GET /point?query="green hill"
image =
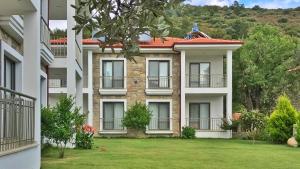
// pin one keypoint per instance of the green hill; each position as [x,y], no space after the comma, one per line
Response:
[232,22]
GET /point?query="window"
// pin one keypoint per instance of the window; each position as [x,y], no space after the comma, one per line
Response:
[113,113]
[159,74]
[160,119]
[199,75]
[9,74]
[113,74]
[199,117]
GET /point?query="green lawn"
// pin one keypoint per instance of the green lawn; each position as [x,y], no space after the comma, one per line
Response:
[175,153]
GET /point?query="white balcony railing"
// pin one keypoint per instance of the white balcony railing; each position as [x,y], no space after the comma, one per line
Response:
[45,33]
[57,83]
[59,45]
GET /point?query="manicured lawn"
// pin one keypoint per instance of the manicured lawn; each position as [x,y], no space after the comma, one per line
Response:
[176,153]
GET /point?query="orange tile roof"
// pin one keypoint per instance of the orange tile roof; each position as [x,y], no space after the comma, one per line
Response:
[158,43]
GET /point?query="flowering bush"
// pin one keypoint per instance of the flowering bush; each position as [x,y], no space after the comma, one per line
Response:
[84,138]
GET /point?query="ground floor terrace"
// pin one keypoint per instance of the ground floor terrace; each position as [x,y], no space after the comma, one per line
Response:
[204,112]
[175,153]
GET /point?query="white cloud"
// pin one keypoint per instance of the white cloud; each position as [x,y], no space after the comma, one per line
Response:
[274,4]
[210,2]
[58,24]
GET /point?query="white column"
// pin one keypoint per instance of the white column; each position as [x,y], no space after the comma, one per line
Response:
[31,73]
[79,94]
[44,91]
[90,88]
[182,90]
[71,75]
[229,85]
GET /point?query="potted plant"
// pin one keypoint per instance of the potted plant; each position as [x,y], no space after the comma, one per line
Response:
[137,117]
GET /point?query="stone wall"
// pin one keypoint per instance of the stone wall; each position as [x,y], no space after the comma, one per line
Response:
[136,83]
[11,42]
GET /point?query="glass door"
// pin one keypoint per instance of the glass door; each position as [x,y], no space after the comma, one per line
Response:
[199,75]
[199,116]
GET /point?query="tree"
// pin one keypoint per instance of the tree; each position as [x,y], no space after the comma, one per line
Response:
[122,21]
[61,122]
[281,122]
[237,7]
[137,117]
[261,68]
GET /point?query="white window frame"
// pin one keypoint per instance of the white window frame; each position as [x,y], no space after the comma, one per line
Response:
[159,91]
[12,54]
[102,131]
[170,131]
[123,91]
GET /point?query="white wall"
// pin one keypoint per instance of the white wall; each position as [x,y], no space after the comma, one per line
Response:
[213,57]
[22,160]
[85,72]
[53,98]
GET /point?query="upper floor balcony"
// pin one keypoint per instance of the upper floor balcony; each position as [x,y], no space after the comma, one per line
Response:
[205,72]
[59,47]
[46,51]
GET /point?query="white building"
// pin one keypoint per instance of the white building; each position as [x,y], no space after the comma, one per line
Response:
[25,57]
[189,79]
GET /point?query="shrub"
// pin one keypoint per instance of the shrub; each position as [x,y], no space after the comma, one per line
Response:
[188,132]
[60,123]
[230,126]
[137,117]
[252,120]
[84,138]
[253,124]
[298,133]
[282,20]
[280,124]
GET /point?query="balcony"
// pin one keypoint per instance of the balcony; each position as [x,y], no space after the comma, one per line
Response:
[46,52]
[17,118]
[59,45]
[159,85]
[113,85]
[206,124]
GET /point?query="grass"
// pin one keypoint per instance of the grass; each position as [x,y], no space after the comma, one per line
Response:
[175,153]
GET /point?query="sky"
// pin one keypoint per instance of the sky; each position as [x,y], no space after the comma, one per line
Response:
[270,4]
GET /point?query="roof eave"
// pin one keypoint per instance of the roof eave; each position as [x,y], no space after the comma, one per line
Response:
[207,46]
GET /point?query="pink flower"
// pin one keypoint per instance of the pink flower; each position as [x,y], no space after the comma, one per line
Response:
[88,129]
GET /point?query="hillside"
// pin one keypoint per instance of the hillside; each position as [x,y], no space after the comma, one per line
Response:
[232,22]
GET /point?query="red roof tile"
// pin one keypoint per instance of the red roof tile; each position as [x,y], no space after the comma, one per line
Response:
[158,43]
